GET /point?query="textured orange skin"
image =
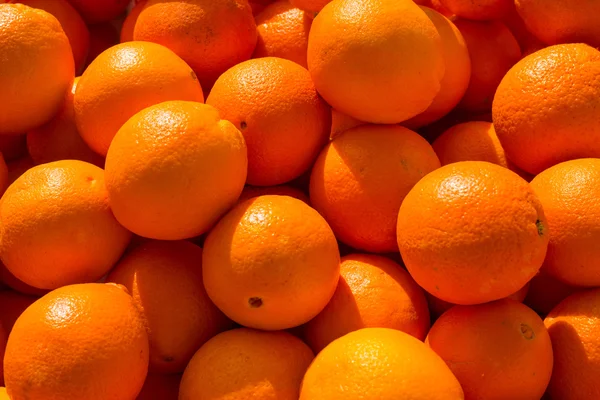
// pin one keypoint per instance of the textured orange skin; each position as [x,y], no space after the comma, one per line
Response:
[310,6]
[94,11]
[59,139]
[165,280]
[36,69]
[281,190]
[385,363]
[493,51]
[469,232]
[360,179]
[160,387]
[211,36]
[568,192]
[373,292]
[574,327]
[126,79]
[490,350]
[130,21]
[546,109]
[84,341]
[102,36]
[481,10]
[562,21]
[545,292]
[246,364]
[341,122]
[57,226]
[283,32]
[14,283]
[276,249]
[13,147]
[165,160]
[457,76]
[285,123]
[363,58]
[12,305]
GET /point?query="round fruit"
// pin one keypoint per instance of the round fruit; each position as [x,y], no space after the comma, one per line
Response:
[126,79]
[130,21]
[472,232]
[83,341]
[386,363]
[14,283]
[94,11]
[13,147]
[378,61]
[36,67]
[341,122]
[503,341]
[547,108]
[3,339]
[3,394]
[247,364]
[57,226]
[271,263]
[3,175]
[163,277]
[546,291]
[360,179]
[165,160]
[482,10]
[285,123]
[160,386]
[281,190]
[12,305]
[102,37]
[311,6]
[373,292]
[574,327]
[213,37]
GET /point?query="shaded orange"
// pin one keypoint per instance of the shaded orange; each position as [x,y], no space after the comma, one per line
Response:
[545,292]
[94,11]
[281,190]
[160,387]
[310,6]
[18,167]
[12,305]
[13,147]
[341,122]
[130,21]
[102,36]
[481,10]
[14,283]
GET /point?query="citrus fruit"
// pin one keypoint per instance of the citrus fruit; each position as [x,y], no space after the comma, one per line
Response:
[482,10]
[3,394]
[285,129]
[341,122]
[165,160]
[130,21]
[90,343]
[472,232]
[14,283]
[362,176]
[13,147]
[281,190]
[13,304]
[160,386]
[57,226]
[546,291]
[3,339]
[94,11]
[271,263]
[311,6]
[102,37]
[247,364]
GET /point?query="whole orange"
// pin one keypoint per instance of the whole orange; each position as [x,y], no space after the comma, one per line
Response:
[360,179]
[574,327]
[90,343]
[211,36]
[472,232]
[247,364]
[173,169]
[13,147]
[160,387]
[271,263]
[373,292]
[3,339]
[281,190]
[285,123]
[528,41]
[13,304]
[283,32]
[493,51]
[59,139]
[547,107]
[482,10]
[383,363]
[36,67]
[130,21]
[57,226]
[18,167]
[497,351]
[546,291]
[375,60]
[163,277]
[3,175]
[341,122]
[14,283]
[310,6]
[126,79]
[94,11]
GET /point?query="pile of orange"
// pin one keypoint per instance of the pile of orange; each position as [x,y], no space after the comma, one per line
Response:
[299,200]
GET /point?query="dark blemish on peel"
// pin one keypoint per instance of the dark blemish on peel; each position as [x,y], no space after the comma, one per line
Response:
[243,125]
[255,302]
[540,227]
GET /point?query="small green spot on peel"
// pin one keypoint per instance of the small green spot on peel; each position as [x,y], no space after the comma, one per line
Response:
[540,227]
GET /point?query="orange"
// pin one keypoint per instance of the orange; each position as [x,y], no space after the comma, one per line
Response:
[18,167]
[481,10]
[258,5]
[497,351]
[281,190]
[285,123]
[361,178]
[283,32]
[3,339]
[545,292]
[271,263]
[212,37]
[568,193]
[341,122]
[12,305]
[163,277]
[385,364]
[310,6]
[57,226]
[373,292]
[90,343]
[493,51]
[437,6]
[13,147]
[247,364]
[558,87]
[527,40]
[375,60]
[126,79]
[160,387]
[562,21]
[94,11]
[472,232]
[165,160]
[3,394]
[36,68]
[13,282]
[59,139]
[102,36]
[457,75]
[3,175]
[130,21]
[574,327]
